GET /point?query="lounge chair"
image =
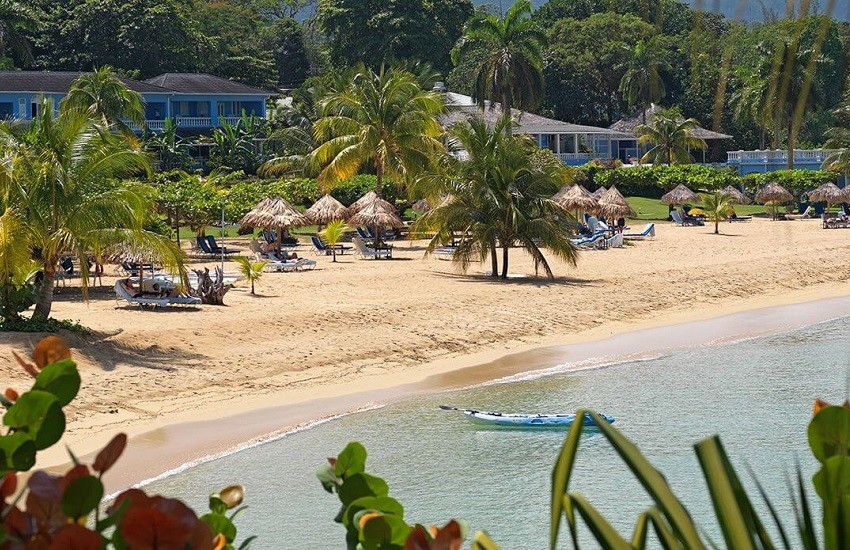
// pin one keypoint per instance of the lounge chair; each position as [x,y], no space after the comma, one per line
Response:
[594,241]
[362,250]
[321,248]
[444,253]
[217,250]
[286,264]
[807,213]
[125,292]
[363,234]
[647,233]
[614,241]
[677,218]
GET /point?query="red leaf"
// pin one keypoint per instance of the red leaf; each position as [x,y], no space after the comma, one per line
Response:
[448,538]
[202,538]
[8,486]
[75,537]
[11,395]
[145,528]
[18,524]
[78,471]
[51,349]
[418,539]
[112,452]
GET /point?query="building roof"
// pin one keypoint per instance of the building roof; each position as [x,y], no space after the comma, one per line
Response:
[462,107]
[59,82]
[629,125]
[202,83]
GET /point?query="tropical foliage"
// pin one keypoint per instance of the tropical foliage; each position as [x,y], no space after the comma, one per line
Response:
[717,207]
[69,510]
[333,234]
[102,95]
[670,139]
[642,84]
[251,270]
[497,195]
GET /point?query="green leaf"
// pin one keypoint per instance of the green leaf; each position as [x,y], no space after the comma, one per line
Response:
[17,453]
[803,515]
[654,483]
[81,496]
[829,433]
[327,477]
[362,485]
[217,506]
[640,531]
[603,531]
[662,528]
[352,460]
[220,525]
[561,477]
[386,505]
[483,542]
[247,542]
[781,528]
[39,414]
[384,532]
[61,379]
[114,517]
[832,483]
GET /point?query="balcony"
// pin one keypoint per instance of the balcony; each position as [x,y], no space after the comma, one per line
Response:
[194,122]
[231,120]
[769,156]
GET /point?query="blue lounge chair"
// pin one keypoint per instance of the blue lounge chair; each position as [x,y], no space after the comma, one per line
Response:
[217,249]
[366,236]
[322,248]
[647,233]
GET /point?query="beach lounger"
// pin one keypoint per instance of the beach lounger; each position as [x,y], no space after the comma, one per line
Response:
[320,247]
[614,241]
[677,218]
[277,263]
[444,253]
[363,234]
[123,292]
[362,250]
[807,213]
[596,241]
[647,233]
[217,249]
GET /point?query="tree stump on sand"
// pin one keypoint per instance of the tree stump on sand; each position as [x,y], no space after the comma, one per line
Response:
[210,291]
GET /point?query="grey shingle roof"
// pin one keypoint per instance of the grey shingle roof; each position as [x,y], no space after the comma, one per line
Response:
[59,82]
[629,125]
[202,83]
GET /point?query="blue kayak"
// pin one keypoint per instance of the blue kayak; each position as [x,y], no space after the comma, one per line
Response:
[522,420]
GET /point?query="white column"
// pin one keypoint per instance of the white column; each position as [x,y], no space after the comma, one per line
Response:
[575,143]
[558,144]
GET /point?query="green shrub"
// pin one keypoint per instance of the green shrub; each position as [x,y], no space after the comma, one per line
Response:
[39,324]
[796,182]
[654,181]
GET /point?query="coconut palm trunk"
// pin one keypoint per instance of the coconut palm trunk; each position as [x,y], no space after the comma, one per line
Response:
[45,293]
[494,261]
[505,249]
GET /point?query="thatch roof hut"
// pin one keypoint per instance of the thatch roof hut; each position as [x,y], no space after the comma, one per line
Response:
[367,199]
[599,192]
[575,198]
[773,194]
[828,193]
[614,205]
[376,214]
[679,195]
[274,213]
[422,205]
[736,195]
[326,210]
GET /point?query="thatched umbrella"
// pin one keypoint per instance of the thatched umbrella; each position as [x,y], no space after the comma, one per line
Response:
[575,198]
[773,193]
[828,193]
[679,195]
[614,205]
[367,199]
[735,195]
[276,213]
[376,214]
[599,192]
[421,205]
[326,210]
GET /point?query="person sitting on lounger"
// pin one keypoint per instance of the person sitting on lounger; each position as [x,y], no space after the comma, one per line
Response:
[272,247]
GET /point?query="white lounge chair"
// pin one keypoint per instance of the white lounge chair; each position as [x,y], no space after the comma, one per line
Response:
[121,292]
[297,264]
[445,253]
[614,241]
[595,241]
[362,250]
[647,233]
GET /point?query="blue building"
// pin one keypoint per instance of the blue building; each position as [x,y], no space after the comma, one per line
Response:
[196,102]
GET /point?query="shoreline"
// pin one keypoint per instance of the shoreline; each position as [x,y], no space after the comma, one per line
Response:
[186,439]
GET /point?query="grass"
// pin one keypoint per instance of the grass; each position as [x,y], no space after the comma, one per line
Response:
[653,210]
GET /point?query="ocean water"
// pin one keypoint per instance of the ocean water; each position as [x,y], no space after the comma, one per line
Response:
[757,394]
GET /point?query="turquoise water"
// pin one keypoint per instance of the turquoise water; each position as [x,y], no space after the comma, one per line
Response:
[757,394]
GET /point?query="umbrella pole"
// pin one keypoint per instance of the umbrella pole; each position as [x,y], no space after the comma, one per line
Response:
[222,240]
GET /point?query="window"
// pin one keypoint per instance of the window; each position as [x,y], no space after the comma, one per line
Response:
[222,109]
[22,107]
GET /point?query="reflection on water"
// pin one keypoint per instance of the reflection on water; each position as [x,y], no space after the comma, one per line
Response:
[756,394]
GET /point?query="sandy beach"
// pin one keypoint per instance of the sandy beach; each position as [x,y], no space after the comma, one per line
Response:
[361,325]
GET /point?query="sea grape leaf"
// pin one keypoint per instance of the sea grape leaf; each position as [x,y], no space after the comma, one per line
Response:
[352,460]
[61,379]
[81,496]
[382,532]
[327,478]
[829,433]
[832,483]
[220,524]
[217,506]
[362,485]
[76,536]
[17,453]
[107,457]
[386,505]
[39,414]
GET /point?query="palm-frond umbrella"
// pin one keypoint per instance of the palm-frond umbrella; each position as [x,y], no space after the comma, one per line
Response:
[735,195]
[367,199]
[773,193]
[376,214]
[326,210]
[276,213]
[614,205]
[575,198]
[679,195]
[421,205]
[828,193]
[599,192]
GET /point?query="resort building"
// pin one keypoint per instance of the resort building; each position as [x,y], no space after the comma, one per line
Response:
[575,144]
[758,161]
[196,102]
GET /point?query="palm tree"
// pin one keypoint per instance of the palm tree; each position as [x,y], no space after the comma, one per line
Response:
[671,139]
[641,84]
[172,150]
[252,271]
[717,207]
[102,94]
[16,18]
[333,233]
[381,119]
[748,101]
[839,159]
[63,184]
[499,194]
[512,70]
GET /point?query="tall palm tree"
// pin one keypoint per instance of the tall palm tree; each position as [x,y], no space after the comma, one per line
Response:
[497,195]
[63,185]
[671,139]
[717,207]
[790,73]
[839,159]
[512,70]
[102,94]
[16,18]
[381,119]
[749,101]
[641,84]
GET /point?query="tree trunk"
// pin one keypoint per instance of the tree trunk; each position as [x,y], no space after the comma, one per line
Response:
[379,176]
[177,223]
[494,262]
[791,146]
[762,136]
[506,111]
[716,225]
[333,250]
[504,261]
[209,291]
[45,294]
[252,287]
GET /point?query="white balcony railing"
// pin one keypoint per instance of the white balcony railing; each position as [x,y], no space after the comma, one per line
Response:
[232,120]
[579,156]
[777,156]
[193,122]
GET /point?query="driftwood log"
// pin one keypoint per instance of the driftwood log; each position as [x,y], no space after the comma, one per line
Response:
[210,291]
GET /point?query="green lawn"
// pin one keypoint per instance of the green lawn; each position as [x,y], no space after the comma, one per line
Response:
[653,210]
